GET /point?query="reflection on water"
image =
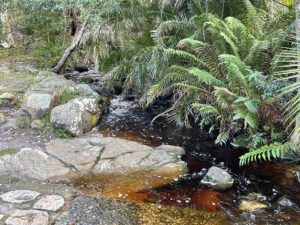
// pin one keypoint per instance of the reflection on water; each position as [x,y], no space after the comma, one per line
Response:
[126,121]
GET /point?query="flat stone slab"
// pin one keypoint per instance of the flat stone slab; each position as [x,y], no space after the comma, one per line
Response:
[81,153]
[28,217]
[29,163]
[50,203]
[19,196]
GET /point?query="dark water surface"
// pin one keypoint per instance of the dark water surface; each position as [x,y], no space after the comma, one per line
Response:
[270,180]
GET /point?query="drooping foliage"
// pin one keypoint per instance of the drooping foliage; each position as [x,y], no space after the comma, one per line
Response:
[216,60]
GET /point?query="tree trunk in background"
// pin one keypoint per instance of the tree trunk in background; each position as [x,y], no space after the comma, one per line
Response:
[69,50]
[295,137]
[271,8]
[6,29]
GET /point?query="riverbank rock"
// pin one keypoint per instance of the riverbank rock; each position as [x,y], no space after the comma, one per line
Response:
[77,116]
[218,179]
[117,159]
[28,217]
[34,164]
[50,203]
[250,206]
[44,94]
[19,196]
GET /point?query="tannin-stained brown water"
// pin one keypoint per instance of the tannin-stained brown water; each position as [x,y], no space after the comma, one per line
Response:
[271,180]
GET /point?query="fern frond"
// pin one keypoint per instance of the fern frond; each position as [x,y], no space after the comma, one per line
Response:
[275,150]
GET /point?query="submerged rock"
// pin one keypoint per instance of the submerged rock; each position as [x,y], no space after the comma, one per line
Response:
[77,116]
[285,202]
[250,206]
[218,179]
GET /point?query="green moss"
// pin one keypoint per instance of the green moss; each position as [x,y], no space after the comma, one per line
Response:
[24,123]
[61,133]
[87,80]
[67,96]
[7,151]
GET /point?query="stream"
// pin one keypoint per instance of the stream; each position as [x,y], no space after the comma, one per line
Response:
[266,181]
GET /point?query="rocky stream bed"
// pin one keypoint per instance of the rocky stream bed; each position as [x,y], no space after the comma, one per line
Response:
[117,169]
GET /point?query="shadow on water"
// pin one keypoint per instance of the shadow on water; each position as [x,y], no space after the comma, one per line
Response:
[271,180]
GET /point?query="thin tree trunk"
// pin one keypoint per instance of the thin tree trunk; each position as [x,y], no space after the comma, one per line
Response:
[271,15]
[296,136]
[6,29]
[69,50]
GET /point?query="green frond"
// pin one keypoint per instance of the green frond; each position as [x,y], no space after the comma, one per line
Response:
[267,152]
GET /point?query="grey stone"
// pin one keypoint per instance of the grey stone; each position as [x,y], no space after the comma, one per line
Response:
[38,103]
[50,81]
[37,124]
[50,203]
[19,196]
[77,116]
[2,119]
[86,91]
[21,114]
[29,163]
[218,179]
[285,202]
[28,217]
[122,156]
[45,93]
[77,152]
[171,148]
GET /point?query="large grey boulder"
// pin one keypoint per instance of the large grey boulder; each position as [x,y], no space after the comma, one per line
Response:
[34,164]
[120,160]
[218,179]
[51,81]
[121,156]
[80,153]
[38,103]
[45,93]
[77,116]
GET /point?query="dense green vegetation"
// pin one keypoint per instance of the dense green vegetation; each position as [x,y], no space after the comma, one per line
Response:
[228,66]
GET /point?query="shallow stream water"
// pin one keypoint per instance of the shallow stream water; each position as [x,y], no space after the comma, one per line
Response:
[271,181]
